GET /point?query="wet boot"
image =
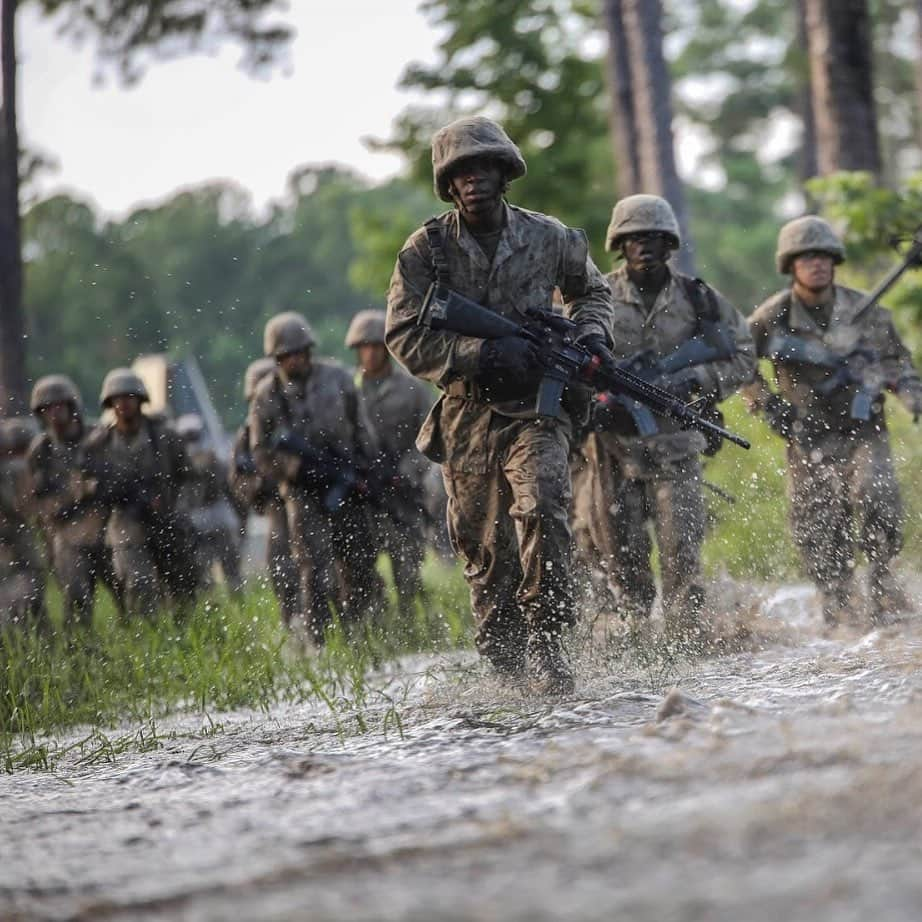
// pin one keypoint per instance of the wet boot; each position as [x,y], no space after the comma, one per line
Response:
[837,604]
[548,670]
[886,596]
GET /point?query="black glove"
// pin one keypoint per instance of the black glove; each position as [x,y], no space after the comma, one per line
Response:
[606,363]
[507,359]
[610,415]
[682,384]
[780,415]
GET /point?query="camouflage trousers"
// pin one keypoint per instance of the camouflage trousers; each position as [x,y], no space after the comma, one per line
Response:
[403,540]
[283,572]
[136,573]
[510,527]
[335,558]
[616,512]
[22,585]
[842,502]
[78,568]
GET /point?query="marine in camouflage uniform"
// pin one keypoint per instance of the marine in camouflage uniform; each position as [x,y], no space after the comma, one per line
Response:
[22,576]
[505,470]
[206,498]
[71,515]
[842,486]
[396,406]
[260,494]
[137,464]
[309,433]
[628,480]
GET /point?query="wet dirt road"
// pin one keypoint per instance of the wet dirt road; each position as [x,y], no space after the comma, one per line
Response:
[780,784]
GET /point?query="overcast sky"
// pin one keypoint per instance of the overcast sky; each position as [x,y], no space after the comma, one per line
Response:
[200,117]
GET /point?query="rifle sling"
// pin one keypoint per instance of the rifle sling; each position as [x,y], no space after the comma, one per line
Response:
[435,234]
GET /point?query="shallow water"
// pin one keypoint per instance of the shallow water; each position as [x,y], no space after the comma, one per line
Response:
[784,783]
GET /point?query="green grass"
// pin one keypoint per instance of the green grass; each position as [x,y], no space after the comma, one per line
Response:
[224,654]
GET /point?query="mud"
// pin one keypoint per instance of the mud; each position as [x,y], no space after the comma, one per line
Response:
[784,782]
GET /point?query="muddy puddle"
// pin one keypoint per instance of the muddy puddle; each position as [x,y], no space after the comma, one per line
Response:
[784,783]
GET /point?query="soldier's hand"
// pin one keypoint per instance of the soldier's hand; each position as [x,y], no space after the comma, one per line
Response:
[610,415]
[605,362]
[682,384]
[780,415]
[508,357]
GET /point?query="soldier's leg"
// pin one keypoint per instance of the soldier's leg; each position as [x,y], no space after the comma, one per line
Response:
[405,546]
[875,498]
[283,572]
[482,535]
[821,528]
[363,590]
[313,554]
[137,575]
[536,467]
[75,571]
[679,522]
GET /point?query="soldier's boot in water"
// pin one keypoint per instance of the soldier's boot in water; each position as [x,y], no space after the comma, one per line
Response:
[504,647]
[685,624]
[549,672]
[837,603]
[886,595]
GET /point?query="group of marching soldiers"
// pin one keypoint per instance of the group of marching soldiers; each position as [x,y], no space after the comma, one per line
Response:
[339,462]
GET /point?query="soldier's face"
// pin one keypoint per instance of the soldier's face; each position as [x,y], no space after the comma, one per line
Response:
[295,365]
[372,357]
[126,407]
[477,185]
[814,270]
[58,416]
[646,252]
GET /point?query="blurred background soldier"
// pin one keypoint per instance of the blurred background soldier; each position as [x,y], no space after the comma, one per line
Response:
[833,362]
[505,469]
[396,405]
[683,335]
[72,517]
[22,577]
[260,494]
[204,496]
[308,432]
[138,464]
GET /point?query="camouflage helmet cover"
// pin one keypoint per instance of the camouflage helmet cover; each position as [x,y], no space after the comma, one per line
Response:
[286,333]
[366,327]
[122,382]
[474,136]
[16,432]
[255,372]
[54,389]
[639,214]
[803,235]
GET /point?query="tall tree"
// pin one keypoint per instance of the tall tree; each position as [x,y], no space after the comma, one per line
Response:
[125,32]
[623,120]
[840,46]
[638,32]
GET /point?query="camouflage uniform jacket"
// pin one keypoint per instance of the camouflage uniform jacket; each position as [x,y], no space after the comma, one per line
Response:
[17,544]
[671,322]
[536,256]
[397,406]
[827,418]
[148,465]
[324,409]
[63,493]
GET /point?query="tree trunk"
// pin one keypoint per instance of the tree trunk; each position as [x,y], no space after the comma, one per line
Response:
[643,29]
[12,324]
[839,42]
[623,122]
[919,67]
[806,162]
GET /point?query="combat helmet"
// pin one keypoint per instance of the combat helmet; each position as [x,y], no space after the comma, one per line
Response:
[286,333]
[803,235]
[16,432]
[366,327]
[474,136]
[255,372]
[122,382]
[54,389]
[639,214]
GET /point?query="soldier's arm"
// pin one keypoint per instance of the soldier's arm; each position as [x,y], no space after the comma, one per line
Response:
[899,372]
[364,443]
[724,376]
[757,393]
[261,425]
[586,295]
[438,357]
[48,497]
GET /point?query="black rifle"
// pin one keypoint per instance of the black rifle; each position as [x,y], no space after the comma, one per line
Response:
[563,359]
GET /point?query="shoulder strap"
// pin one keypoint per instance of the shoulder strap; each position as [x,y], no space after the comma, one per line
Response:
[702,298]
[435,234]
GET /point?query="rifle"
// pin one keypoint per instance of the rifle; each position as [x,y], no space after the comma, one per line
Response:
[323,470]
[564,360]
[849,370]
